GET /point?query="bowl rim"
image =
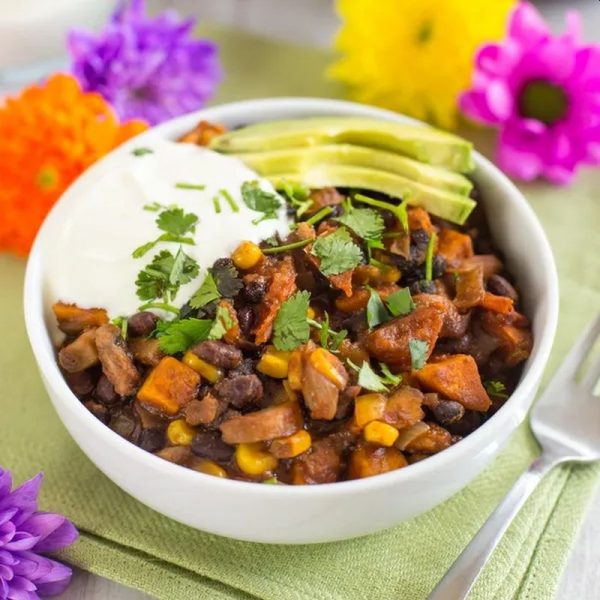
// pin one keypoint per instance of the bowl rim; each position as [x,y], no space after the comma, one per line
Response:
[39,336]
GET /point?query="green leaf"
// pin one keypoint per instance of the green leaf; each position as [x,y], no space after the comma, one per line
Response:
[184,269]
[337,252]
[177,222]
[179,335]
[165,237]
[418,353]
[298,196]
[376,310]
[495,388]
[206,293]
[121,323]
[260,200]
[369,380]
[366,223]
[221,325]
[226,279]
[400,303]
[291,328]
[388,376]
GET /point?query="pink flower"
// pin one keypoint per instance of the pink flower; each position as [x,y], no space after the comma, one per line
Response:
[543,93]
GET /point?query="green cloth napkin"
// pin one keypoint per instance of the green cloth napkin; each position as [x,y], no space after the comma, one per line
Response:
[125,541]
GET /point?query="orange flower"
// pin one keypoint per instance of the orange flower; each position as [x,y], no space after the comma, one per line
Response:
[50,134]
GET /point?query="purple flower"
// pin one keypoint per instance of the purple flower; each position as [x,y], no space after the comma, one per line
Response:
[543,93]
[24,533]
[149,68]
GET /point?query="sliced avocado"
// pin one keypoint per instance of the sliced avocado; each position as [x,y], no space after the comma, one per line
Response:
[299,159]
[420,142]
[447,205]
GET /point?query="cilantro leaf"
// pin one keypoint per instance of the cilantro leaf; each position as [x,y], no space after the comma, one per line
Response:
[260,200]
[495,388]
[177,222]
[226,279]
[221,325]
[184,269]
[179,335]
[337,252]
[291,328]
[366,223]
[418,353]
[206,293]
[330,339]
[388,376]
[376,310]
[165,237]
[400,303]
[370,380]
[298,196]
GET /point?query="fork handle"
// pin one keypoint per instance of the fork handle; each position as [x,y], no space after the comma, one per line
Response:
[458,581]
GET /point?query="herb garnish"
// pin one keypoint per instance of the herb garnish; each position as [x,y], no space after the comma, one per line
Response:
[226,279]
[121,323]
[206,293]
[229,199]
[495,388]
[298,196]
[217,204]
[260,200]
[366,223]
[320,215]
[337,251]
[399,210]
[179,335]
[429,257]
[370,380]
[182,185]
[286,247]
[330,339]
[222,323]
[376,311]
[400,303]
[418,353]
[141,151]
[291,328]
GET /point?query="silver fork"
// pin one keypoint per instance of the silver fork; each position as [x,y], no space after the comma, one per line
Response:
[566,422]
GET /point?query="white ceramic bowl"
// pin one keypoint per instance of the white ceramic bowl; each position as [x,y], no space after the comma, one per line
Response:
[305,514]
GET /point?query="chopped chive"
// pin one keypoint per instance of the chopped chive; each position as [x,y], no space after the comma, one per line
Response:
[429,257]
[217,205]
[189,186]
[141,151]
[286,247]
[154,207]
[229,198]
[392,234]
[159,305]
[327,210]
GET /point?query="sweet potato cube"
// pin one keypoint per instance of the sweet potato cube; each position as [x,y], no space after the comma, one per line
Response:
[454,247]
[73,320]
[456,378]
[433,440]
[469,289]
[170,386]
[403,407]
[367,460]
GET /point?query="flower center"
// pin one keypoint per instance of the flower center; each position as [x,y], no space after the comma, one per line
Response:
[425,32]
[47,178]
[543,101]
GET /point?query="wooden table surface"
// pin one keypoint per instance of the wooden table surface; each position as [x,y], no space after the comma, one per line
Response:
[314,22]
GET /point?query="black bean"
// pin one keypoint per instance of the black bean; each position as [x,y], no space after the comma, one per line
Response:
[141,324]
[255,290]
[246,367]
[500,286]
[469,423]
[100,412]
[82,382]
[222,263]
[419,239]
[125,424]
[438,266]
[105,392]
[218,353]
[241,390]
[422,287]
[209,444]
[246,319]
[152,440]
[447,412]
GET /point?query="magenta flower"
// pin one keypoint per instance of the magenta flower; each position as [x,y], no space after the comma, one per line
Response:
[148,68]
[25,533]
[543,93]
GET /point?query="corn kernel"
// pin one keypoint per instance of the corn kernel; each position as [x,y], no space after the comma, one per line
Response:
[253,460]
[311,313]
[295,370]
[179,433]
[292,445]
[321,360]
[369,407]
[205,369]
[380,433]
[274,363]
[246,255]
[210,468]
[390,275]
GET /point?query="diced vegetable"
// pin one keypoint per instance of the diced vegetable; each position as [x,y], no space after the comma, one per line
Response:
[179,433]
[321,464]
[455,247]
[456,378]
[274,363]
[403,407]
[292,445]
[169,386]
[369,407]
[116,361]
[432,441]
[253,460]
[73,320]
[469,289]
[367,460]
[380,433]
[79,354]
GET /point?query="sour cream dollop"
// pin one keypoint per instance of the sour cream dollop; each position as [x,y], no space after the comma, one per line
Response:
[90,260]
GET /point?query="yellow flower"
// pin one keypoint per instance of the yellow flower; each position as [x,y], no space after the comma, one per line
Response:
[414,56]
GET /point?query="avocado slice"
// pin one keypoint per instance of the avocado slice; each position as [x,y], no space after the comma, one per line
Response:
[422,143]
[299,159]
[442,203]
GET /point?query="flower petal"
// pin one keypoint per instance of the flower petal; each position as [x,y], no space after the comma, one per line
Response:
[54,531]
[24,497]
[516,159]
[5,482]
[56,580]
[526,25]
